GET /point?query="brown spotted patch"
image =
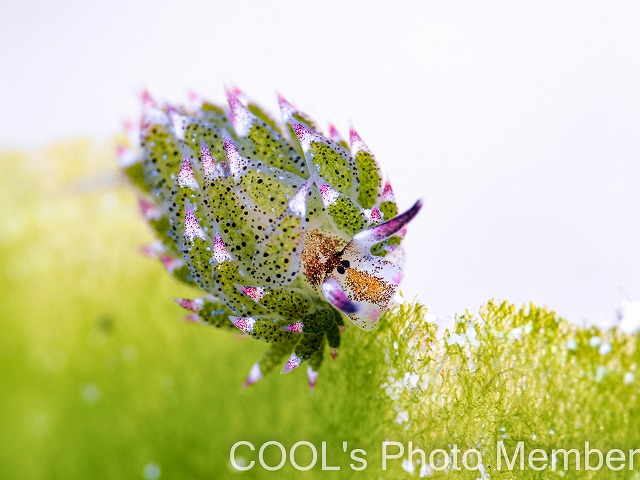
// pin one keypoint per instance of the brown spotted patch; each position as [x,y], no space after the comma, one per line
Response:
[319,255]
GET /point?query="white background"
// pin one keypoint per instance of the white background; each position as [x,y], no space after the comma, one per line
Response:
[518,123]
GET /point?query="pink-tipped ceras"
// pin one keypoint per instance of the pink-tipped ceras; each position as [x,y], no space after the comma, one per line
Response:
[287,232]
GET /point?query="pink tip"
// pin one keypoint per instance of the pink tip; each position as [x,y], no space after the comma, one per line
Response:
[186,177]
[300,130]
[220,252]
[192,228]
[387,193]
[295,327]
[353,136]
[129,126]
[193,318]
[244,100]
[328,194]
[234,101]
[305,134]
[178,122]
[152,251]
[149,210]
[145,123]
[376,215]
[208,163]
[254,375]
[194,305]
[334,353]
[151,113]
[170,263]
[293,363]
[237,163]
[241,118]
[245,324]
[147,100]
[254,293]
[230,148]
[356,142]
[193,97]
[333,133]
[286,108]
[312,375]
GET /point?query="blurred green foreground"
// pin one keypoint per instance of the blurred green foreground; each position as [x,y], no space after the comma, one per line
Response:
[99,375]
[100,378]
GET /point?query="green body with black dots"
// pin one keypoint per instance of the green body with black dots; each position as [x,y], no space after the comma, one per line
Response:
[287,232]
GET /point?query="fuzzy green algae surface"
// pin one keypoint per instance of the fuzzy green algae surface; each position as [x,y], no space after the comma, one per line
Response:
[100,378]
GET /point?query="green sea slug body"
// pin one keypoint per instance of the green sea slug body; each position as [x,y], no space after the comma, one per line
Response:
[286,231]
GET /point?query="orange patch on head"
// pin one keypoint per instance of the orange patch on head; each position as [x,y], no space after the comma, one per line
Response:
[368,288]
